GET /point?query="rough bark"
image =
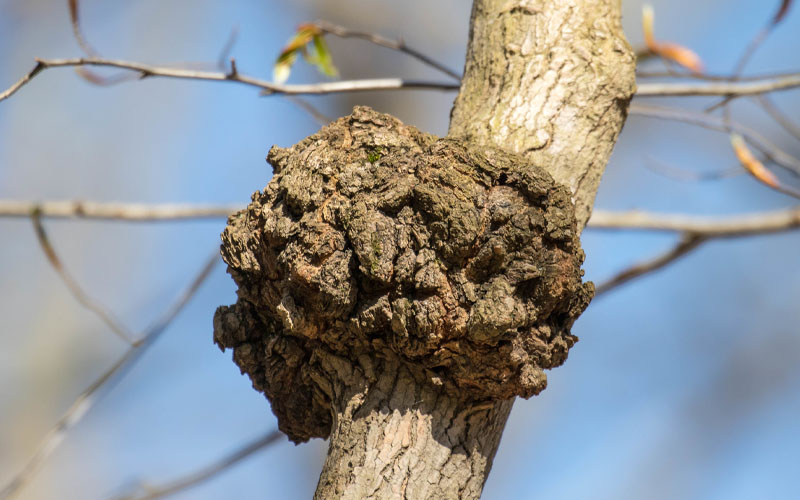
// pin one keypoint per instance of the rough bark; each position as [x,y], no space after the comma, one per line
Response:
[549,79]
[396,291]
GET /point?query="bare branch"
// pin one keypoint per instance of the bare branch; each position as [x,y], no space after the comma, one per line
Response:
[225,54]
[682,174]
[399,45]
[318,116]
[687,243]
[113,211]
[776,114]
[768,148]
[724,88]
[710,227]
[73,286]
[721,88]
[267,87]
[104,383]
[207,472]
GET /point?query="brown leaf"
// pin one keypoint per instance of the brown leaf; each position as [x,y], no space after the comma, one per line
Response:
[668,50]
[752,164]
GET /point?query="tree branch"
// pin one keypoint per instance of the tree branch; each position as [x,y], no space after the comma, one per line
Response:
[80,295]
[399,45]
[712,227]
[267,87]
[694,232]
[727,226]
[208,472]
[724,88]
[729,88]
[113,211]
[686,244]
[105,382]
[767,147]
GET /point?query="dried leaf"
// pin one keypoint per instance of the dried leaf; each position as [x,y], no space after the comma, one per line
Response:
[668,50]
[751,163]
[681,55]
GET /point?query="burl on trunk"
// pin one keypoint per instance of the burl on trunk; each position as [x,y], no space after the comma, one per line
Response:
[395,293]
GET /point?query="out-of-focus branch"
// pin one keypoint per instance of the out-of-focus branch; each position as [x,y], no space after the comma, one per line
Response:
[727,226]
[113,211]
[719,88]
[399,45]
[686,244]
[730,226]
[776,114]
[767,147]
[104,383]
[207,472]
[80,295]
[695,231]
[266,87]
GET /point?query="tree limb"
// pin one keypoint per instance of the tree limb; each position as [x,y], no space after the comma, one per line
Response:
[103,384]
[712,227]
[686,244]
[267,87]
[209,471]
[80,295]
[398,45]
[722,88]
[113,211]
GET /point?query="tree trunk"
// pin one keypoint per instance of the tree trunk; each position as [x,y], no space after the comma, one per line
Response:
[400,437]
[396,292]
[550,79]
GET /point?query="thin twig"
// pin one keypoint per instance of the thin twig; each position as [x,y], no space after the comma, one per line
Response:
[738,88]
[778,115]
[113,211]
[225,53]
[683,174]
[80,295]
[735,225]
[772,151]
[208,472]
[686,244]
[318,116]
[729,88]
[77,31]
[399,45]
[267,87]
[711,227]
[104,383]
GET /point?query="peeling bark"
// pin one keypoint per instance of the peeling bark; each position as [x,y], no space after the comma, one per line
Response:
[397,291]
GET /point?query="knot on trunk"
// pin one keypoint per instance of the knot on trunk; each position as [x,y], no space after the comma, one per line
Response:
[374,240]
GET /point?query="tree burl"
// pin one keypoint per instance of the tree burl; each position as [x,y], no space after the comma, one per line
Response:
[376,243]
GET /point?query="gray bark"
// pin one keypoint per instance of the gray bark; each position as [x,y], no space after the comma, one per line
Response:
[396,292]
